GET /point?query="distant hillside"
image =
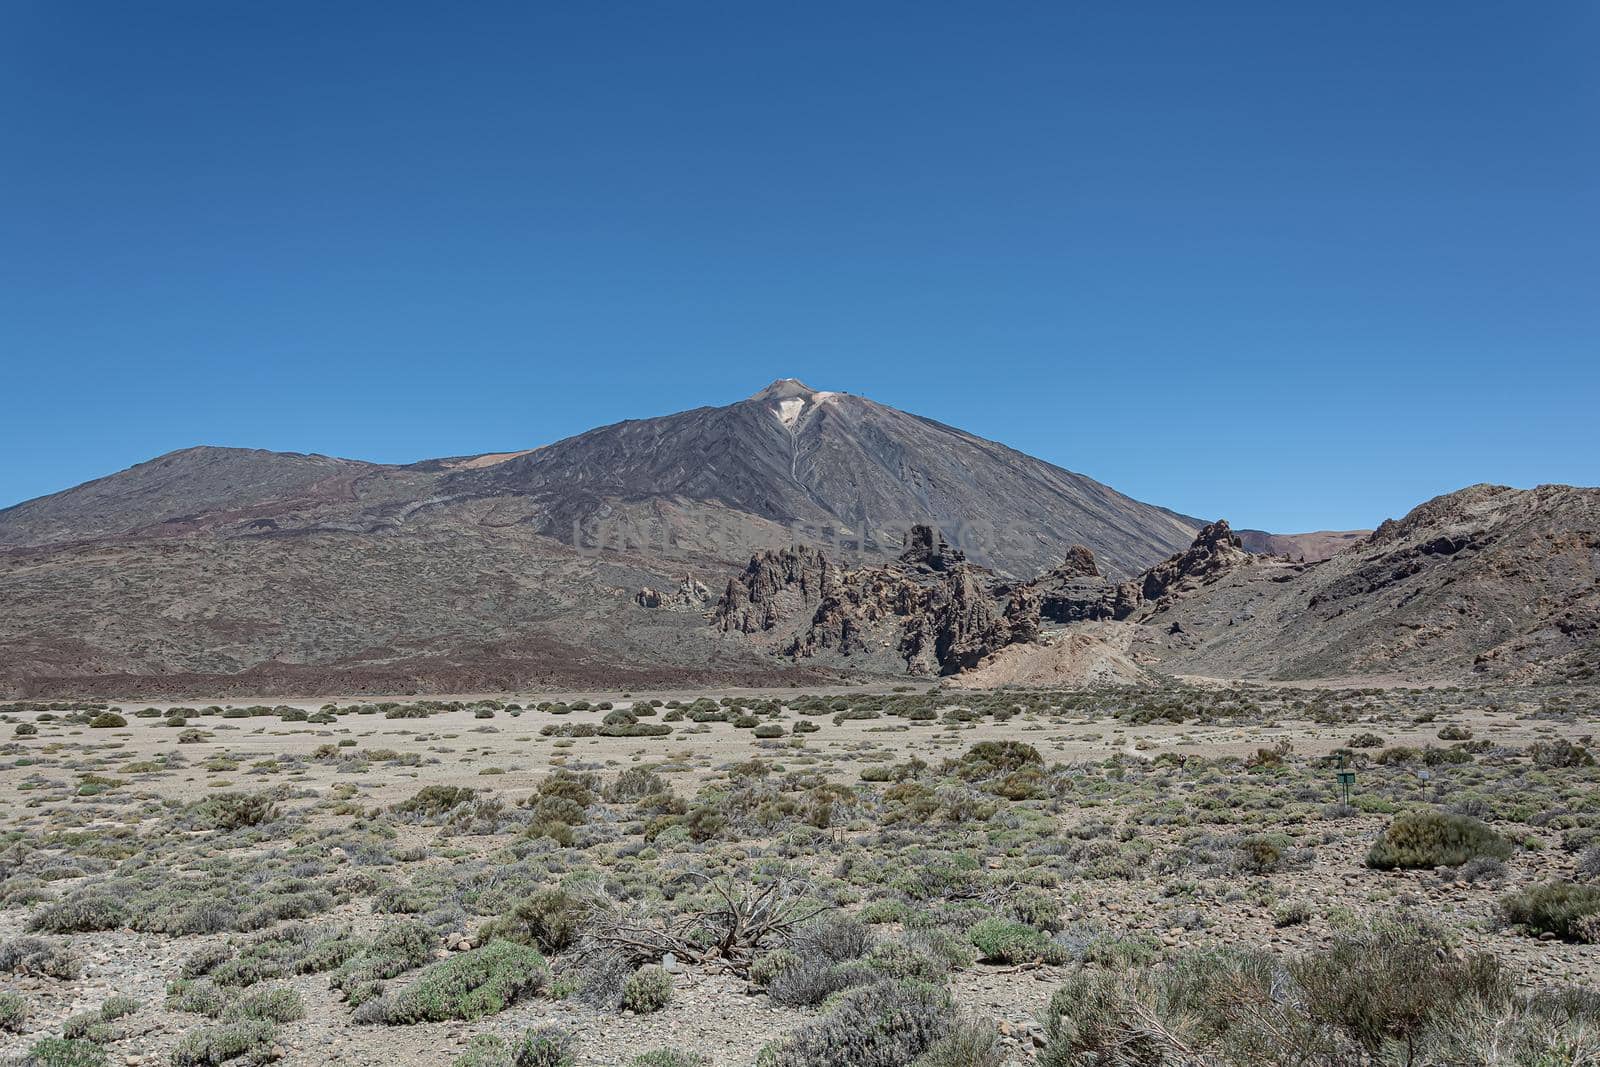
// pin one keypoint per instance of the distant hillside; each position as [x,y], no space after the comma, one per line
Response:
[1487,582]
[1317,545]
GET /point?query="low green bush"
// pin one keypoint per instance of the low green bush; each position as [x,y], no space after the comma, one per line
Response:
[670,1057]
[13,1012]
[484,981]
[1565,909]
[64,1052]
[649,989]
[245,1040]
[1435,839]
[1001,940]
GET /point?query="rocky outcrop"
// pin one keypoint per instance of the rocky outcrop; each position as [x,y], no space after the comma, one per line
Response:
[930,610]
[1215,552]
[958,626]
[934,611]
[690,595]
[1075,591]
[925,549]
[776,586]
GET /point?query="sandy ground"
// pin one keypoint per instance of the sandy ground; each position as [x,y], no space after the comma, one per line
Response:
[715,1013]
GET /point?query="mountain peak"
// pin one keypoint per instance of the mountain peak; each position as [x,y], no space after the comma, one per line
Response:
[786,389]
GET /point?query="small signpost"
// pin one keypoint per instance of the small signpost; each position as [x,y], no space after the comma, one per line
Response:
[1346,780]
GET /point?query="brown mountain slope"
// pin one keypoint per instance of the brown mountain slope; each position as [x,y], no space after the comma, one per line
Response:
[167,495]
[1489,581]
[441,606]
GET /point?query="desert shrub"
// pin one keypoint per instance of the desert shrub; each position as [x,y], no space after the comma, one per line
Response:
[1372,991]
[989,758]
[670,1057]
[1385,983]
[1481,869]
[649,989]
[545,1046]
[823,953]
[36,956]
[597,975]
[107,720]
[1589,862]
[1000,940]
[486,1050]
[834,938]
[481,982]
[1258,855]
[25,729]
[1560,753]
[1367,740]
[549,919]
[234,811]
[1453,732]
[391,952]
[199,997]
[969,1044]
[1560,1028]
[767,966]
[64,1052]
[277,1004]
[887,1024]
[87,1026]
[769,730]
[635,783]
[813,981]
[117,1006]
[1559,908]
[903,959]
[1435,839]
[434,800]
[13,1012]
[79,915]
[245,1040]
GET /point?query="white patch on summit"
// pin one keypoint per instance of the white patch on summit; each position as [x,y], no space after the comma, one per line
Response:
[789,410]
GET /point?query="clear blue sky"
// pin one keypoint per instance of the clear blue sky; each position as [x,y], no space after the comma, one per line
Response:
[1298,265]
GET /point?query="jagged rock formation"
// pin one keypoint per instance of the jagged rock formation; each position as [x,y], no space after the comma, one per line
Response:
[690,595]
[1215,552]
[775,587]
[1075,591]
[939,613]
[928,612]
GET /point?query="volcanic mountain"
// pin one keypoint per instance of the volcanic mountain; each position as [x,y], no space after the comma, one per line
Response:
[216,569]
